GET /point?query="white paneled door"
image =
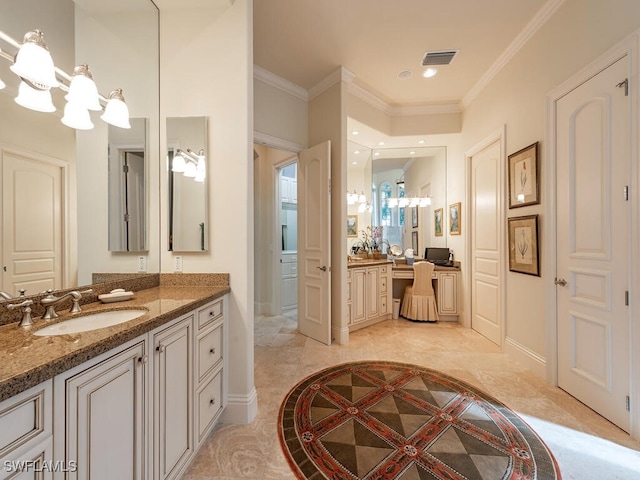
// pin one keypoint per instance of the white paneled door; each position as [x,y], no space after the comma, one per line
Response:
[314,242]
[31,224]
[486,230]
[592,167]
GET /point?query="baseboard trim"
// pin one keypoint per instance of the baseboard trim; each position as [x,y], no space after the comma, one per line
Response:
[530,359]
[262,308]
[340,335]
[241,409]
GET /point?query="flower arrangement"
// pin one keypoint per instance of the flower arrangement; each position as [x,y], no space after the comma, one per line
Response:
[371,240]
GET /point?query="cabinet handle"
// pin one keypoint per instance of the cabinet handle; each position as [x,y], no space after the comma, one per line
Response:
[212,401]
[211,313]
[143,359]
[161,348]
[212,351]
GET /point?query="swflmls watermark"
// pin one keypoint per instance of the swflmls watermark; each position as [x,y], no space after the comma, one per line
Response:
[11,466]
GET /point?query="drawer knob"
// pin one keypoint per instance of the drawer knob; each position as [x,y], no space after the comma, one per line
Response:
[212,351]
[143,359]
[212,401]
[211,313]
[161,348]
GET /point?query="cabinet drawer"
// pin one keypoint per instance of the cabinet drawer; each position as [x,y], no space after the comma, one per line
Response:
[209,351]
[25,417]
[289,269]
[210,313]
[209,405]
[384,306]
[383,269]
[383,284]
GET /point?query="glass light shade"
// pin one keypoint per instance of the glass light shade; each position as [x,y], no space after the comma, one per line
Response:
[362,198]
[414,202]
[34,63]
[76,116]
[190,170]
[393,202]
[201,166]
[83,90]
[177,165]
[200,176]
[2,84]
[425,201]
[38,100]
[403,202]
[116,112]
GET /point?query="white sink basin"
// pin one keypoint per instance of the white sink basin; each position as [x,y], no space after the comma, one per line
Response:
[89,322]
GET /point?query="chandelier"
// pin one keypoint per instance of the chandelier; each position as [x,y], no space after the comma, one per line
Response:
[34,65]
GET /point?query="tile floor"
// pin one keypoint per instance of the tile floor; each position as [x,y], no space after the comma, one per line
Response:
[586,445]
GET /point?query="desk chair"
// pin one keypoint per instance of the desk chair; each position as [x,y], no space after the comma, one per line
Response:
[419,301]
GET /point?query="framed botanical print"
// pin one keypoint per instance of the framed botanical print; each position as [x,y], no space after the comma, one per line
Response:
[524,173]
[523,245]
[437,222]
[414,217]
[455,221]
[352,225]
[414,243]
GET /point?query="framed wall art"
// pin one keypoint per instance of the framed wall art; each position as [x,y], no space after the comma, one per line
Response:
[414,217]
[414,243]
[524,172]
[437,222]
[455,220]
[352,225]
[523,245]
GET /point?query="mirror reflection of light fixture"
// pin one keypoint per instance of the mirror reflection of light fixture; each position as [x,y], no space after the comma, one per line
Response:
[353,198]
[34,99]
[189,164]
[77,116]
[34,65]
[2,84]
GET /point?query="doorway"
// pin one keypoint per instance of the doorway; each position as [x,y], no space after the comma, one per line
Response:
[287,220]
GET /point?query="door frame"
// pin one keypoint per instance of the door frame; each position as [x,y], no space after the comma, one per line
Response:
[498,135]
[630,47]
[275,303]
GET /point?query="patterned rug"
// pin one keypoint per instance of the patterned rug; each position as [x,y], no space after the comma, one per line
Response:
[387,420]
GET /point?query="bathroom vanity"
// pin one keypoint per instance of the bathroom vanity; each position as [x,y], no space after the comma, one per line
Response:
[134,400]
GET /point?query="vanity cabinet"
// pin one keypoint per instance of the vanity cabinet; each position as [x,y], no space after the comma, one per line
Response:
[447,294]
[172,418]
[26,441]
[141,410]
[101,416]
[369,295]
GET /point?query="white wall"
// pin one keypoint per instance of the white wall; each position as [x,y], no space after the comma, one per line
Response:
[578,33]
[280,114]
[216,52]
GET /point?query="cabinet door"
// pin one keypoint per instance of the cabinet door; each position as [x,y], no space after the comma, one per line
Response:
[172,398]
[373,292]
[358,292]
[104,418]
[447,293]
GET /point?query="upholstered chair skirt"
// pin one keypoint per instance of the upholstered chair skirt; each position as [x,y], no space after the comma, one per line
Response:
[419,301]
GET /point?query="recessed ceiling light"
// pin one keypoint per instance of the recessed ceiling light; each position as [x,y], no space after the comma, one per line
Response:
[377,153]
[355,132]
[357,152]
[405,74]
[429,72]
[381,143]
[420,141]
[412,153]
[354,163]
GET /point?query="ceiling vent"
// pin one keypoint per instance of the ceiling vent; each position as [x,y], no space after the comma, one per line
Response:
[439,58]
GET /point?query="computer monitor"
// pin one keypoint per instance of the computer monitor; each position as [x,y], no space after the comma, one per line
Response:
[438,254]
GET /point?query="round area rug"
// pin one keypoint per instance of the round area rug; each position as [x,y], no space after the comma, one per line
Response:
[388,420]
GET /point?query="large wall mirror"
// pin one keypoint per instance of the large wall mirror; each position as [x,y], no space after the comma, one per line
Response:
[55,205]
[188,158]
[379,175]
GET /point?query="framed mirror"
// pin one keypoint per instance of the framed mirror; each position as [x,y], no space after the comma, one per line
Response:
[128,188]
[187,164]
[380,176]
[68,225]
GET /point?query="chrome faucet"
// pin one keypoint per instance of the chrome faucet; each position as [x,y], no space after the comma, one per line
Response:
[50,301]
[5,295]
[26,311]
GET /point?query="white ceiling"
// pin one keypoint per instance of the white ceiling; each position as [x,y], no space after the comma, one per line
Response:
[304,41]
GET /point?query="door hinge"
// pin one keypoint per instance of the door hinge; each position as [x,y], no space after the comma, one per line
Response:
[628,401]
[626,193]
[125,217]
[624,84]
[626,298]
[125,168]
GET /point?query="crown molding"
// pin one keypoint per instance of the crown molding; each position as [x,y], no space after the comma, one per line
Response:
[275,142]
[340,74]
[514,47]
[280,83]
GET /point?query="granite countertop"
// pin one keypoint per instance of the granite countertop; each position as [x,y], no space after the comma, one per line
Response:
[27,360]
[404,266]
[368,262]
